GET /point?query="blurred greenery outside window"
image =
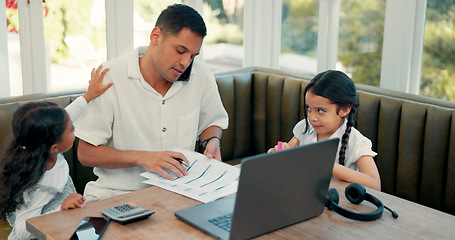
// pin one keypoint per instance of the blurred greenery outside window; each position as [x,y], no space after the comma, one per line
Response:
[13,45]
[360,36]
[224,20]
[75,33]
[68,66]
[360,41]
[223,45]
[61,18]
[74,18]
[438,63]
[12,17]
[299,36]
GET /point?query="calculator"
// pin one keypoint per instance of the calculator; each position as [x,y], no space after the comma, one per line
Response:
[127,213]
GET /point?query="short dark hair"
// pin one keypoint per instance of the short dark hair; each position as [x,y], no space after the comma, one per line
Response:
[179,16]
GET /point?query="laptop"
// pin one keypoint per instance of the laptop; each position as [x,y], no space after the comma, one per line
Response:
[275,190]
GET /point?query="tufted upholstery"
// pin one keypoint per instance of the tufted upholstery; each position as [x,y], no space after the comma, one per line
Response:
[413,135]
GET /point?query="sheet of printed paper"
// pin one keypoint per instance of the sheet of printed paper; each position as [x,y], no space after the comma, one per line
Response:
[207,179]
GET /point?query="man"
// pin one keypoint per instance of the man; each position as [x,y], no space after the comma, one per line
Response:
[148,112]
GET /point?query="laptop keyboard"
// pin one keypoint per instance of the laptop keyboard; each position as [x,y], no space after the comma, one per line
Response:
[223,221]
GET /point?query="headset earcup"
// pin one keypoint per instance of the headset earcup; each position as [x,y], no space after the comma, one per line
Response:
[332,199]
[355,193]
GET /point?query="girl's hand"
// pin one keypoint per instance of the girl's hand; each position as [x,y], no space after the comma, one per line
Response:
[74,200]
[292,143]
[96,87]
[284,145]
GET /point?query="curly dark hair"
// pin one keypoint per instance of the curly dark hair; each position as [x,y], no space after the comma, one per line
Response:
[36,127]
[340,90]
[179,16]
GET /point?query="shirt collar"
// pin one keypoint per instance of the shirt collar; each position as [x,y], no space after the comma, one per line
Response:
[134,72]
[337,134]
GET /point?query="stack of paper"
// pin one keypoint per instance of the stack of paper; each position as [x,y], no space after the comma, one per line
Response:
[207,179]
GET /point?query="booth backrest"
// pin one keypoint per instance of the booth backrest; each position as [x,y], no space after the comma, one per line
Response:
[414,136]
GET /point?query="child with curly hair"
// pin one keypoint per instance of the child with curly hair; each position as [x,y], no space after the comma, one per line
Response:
[34,175]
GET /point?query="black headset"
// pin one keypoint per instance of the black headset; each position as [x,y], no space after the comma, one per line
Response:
[356,193]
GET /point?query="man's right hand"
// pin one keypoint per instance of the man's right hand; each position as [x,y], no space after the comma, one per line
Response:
[161,160]
[110,158]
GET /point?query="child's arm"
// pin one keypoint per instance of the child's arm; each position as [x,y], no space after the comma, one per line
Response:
[292,143]
[74,200]
[368,174]
[96,87]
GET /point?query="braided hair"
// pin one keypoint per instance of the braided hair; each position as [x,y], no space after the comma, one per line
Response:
[340,90]
[36,127]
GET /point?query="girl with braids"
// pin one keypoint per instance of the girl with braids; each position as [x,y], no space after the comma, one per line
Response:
[34,176]
[331,104]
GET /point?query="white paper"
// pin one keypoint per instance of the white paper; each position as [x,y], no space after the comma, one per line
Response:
[207,179]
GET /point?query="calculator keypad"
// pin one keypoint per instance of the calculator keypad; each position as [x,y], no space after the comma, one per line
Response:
[127,213]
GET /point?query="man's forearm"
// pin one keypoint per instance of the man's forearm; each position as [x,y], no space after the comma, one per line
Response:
[104,157]
[211,131]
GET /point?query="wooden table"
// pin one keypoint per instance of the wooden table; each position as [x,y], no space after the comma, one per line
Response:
[415,221]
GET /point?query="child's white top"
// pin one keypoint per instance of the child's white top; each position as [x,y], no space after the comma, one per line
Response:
[44,197]
[358,145]
[48,193]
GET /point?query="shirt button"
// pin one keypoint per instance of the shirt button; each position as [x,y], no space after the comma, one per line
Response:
[163,102]
[164,129]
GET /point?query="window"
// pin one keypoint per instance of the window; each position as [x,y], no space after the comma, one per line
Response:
[438,69]
[360,40]
[223,45]
[14,50]
[299,33]
[75,36]
[70,24]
